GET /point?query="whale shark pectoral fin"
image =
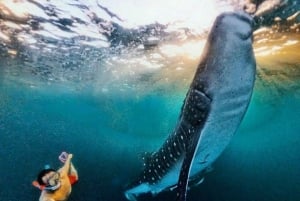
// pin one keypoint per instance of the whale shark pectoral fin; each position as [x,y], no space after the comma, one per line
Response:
[202,103]
[182,185]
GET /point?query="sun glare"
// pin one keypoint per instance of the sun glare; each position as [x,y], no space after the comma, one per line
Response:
[192,14]
[15,8]
[189,50]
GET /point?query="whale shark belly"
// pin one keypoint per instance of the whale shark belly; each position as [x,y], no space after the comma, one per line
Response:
[227,111]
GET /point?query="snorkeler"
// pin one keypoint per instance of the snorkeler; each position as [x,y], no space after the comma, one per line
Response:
[56,185]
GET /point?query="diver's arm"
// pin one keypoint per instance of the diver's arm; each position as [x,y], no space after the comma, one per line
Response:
[64,170]
[73,171]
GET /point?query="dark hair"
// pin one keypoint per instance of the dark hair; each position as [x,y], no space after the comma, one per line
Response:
[43,173]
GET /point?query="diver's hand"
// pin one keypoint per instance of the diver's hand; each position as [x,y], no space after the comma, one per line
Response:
[64,156]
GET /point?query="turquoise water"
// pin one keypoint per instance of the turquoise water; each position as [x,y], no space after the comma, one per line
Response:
[106,83]
[108,132]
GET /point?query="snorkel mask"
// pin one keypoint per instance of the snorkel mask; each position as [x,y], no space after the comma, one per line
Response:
[53,183]
[52,188]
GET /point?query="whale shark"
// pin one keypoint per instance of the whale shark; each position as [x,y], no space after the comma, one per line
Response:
[213,109]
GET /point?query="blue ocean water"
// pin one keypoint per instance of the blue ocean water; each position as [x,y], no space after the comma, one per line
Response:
[106,133]
[109,131]
[105,80]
